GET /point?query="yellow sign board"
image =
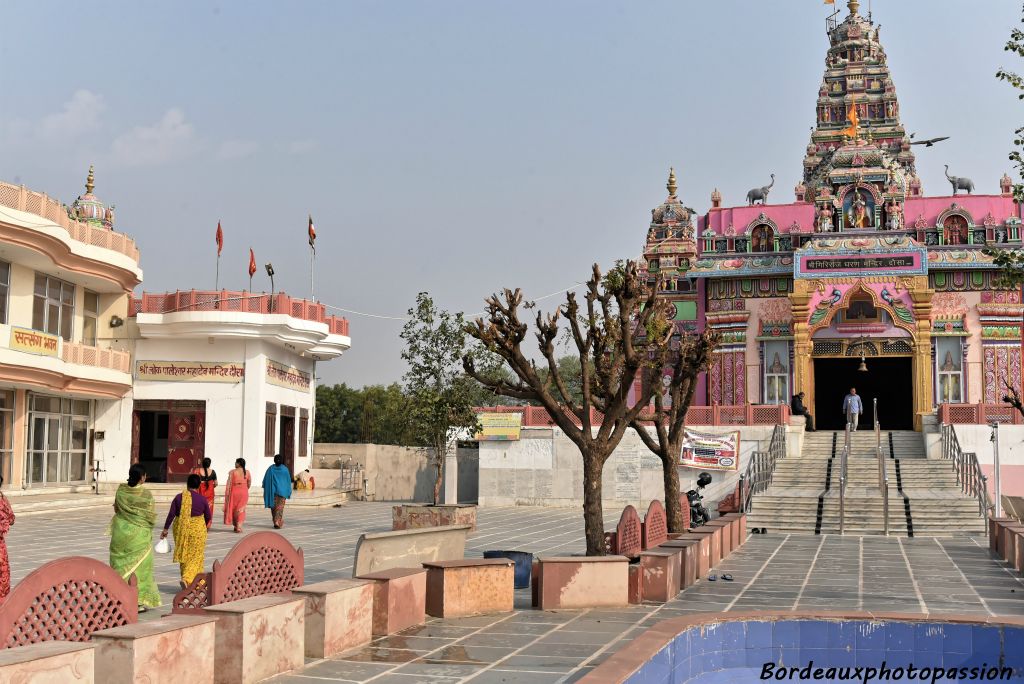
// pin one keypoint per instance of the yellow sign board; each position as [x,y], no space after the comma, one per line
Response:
[496,427]
[34,342]
[189,371]
[288,377]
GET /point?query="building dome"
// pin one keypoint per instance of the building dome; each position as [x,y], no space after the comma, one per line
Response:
[89,208]
[671,211]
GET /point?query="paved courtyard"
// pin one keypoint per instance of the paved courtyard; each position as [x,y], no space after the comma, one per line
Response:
[774,572]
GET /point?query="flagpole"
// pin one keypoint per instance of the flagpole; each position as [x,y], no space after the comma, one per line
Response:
[312,267]
[216,285]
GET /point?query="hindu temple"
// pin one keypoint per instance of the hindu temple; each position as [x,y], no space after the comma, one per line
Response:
[860,278]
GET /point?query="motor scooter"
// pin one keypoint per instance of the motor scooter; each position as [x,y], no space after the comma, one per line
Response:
[698,513]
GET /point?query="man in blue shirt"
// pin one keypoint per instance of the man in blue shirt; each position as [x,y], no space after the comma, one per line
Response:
[852,408]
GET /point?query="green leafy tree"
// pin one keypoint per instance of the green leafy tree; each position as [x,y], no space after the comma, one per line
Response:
[441,402]
[385,416]
[619,334]
[338,413]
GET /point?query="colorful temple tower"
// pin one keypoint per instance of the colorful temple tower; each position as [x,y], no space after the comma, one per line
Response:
[860,271]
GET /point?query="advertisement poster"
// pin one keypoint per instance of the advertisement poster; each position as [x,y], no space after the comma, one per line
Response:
[711,452]
[496,427]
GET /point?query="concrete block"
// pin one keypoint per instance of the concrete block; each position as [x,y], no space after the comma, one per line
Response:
[714,535]
[636,584]
[1011,533]
[994,541]
[583,582]
[693,564]
[725,539]
[259,637]
[174,648]
[660,574]
[478,586]
[51,662]
[339,615]
[399,599]
[408,548]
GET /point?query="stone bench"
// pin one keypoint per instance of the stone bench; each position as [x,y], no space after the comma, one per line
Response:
[636,585]
[661,573]
[339,615]
[582,582]
[725,540]
[399,599]
[259,637]
[714,535]
[408,548]
[49,662]
[739,521]
[1011,533]
[473,586]
[995,534]
[694,559]
[179,647]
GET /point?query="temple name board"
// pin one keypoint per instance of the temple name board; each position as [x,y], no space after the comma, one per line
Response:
[33,342]
[288,377]
[849,262]
[190,371]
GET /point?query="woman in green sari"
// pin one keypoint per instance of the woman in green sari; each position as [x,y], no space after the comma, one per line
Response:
[131,536]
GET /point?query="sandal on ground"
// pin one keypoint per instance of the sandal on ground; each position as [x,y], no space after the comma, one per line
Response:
[727,577]
[712,578]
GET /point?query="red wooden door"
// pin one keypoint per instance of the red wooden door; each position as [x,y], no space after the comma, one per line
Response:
[136,433]
[185,443]
[288,442]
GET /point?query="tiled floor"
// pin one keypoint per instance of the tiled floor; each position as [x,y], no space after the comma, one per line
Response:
[773,572]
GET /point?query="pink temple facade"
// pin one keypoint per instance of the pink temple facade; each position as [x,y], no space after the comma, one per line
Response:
[858,268]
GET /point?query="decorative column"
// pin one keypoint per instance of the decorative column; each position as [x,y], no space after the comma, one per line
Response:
[921,297]
[803,366]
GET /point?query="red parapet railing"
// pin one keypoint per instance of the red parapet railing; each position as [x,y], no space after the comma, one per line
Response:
[978,414]
[747,414]
[238,302]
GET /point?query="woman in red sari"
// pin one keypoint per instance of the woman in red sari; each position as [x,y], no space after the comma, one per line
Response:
[6,520]
[207,484]
[236,495]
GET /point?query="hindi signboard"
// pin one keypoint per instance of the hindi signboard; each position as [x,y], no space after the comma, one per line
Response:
[288,377]
[499,427]
[711,452]
[33,342]
[190,371]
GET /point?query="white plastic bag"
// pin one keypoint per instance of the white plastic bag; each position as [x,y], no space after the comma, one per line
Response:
[163,546]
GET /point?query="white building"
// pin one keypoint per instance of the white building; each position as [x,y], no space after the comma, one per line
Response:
[91,377]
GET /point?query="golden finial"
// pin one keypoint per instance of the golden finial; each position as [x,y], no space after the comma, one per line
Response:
[854,6]
[90,181]
[671,182]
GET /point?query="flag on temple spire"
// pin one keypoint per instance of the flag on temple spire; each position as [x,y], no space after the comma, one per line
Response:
[312,233]
[830,2]
[220,239]
[252,263]
[853,130]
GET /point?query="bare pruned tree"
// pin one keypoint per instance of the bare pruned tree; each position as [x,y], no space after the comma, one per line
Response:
[686,360]
[621,334]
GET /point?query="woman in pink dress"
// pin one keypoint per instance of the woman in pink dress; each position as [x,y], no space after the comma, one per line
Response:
[6,520]
[236,495]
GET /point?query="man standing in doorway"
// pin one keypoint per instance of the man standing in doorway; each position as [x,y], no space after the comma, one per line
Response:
[852,408]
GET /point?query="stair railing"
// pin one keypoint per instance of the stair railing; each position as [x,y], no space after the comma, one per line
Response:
[968,471]
[883,473]
[844,457]
[761,467]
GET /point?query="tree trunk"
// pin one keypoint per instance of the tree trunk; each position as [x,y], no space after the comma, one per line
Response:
[593,512]
[674,511]
[439,470]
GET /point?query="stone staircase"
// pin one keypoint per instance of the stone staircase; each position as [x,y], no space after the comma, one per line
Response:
[924,498]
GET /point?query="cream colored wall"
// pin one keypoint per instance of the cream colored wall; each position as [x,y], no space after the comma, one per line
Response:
[975,357]
[19,312]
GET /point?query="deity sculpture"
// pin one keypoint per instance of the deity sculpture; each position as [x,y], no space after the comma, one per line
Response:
[776,367]
[858,216]
[893,215]
[825,218]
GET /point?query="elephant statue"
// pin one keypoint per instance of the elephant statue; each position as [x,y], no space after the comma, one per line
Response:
[761,193]
[959,182]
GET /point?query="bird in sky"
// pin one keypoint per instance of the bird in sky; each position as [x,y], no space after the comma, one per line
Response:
[929,142]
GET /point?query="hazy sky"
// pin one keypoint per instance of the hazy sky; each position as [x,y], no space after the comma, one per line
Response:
[453,147]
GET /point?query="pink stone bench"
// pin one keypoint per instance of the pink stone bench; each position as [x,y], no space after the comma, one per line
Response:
[714,535]
[473,586]
[399,599]
[725,540]
[995,534]
[582,582]
[661,573]
[178,647]
[49,662]
[259,637]
[1011,538]
[339,615]
[690,560]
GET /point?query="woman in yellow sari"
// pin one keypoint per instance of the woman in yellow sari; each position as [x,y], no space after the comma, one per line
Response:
[190,512]
[131,536]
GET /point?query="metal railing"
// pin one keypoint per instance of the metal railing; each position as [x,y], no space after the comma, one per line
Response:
[968,471]
[843,458]
[883,472]
[761,467]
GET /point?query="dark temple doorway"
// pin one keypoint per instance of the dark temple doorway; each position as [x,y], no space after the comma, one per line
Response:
[890,380]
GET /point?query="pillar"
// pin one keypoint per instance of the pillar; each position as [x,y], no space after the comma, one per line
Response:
[921,298]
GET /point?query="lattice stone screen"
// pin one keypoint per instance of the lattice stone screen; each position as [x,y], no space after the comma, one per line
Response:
[655,525]
[67,600]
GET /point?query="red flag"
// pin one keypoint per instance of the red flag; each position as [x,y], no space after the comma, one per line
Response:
[220,239]
[252,263]
[312,233]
